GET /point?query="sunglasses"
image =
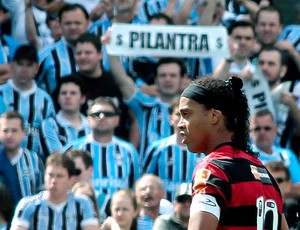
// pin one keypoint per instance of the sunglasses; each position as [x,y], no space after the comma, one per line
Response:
[279,180]
[101,114]
[265,128]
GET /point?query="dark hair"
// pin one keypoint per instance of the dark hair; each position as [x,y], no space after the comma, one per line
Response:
[62,160]
[283,56]
[84,155]
[13,115]
[70,7]
[7,205]
[112,101]
[171,60]
[73,78]
[269,9]
[278,166]
[26,52]
[242,24]
[232,102]
[90,38]
[161,16]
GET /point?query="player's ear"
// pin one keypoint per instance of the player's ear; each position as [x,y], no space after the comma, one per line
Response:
[215,115]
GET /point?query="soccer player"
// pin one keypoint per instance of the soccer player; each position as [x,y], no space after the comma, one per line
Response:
[115,161]
[21,94]
[21,170]
[56,208]
[232,189]
[68,124]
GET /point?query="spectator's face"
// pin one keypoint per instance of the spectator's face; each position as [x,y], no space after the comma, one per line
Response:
[70,98]
[149,193]
[103,119]
[270,65]
[73,24]
[244,38]
[168,79]
[86,173]
[88,58]
[11,133]
[123,211]
[268,28]
[195,125]
[24,72]
[263,131]
[57,182]
[182,206]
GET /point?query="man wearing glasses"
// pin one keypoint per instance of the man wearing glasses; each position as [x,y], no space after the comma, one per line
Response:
[115,161]
[263,133]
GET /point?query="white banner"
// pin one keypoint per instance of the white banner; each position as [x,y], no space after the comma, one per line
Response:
[171,41]
[258,93]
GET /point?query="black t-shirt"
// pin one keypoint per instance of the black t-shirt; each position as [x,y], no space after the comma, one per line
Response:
[105,85]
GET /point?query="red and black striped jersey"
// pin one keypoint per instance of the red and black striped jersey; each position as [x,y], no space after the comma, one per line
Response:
[246,193]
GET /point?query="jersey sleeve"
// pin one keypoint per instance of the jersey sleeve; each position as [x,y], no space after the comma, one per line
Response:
[211,180]
[23,213]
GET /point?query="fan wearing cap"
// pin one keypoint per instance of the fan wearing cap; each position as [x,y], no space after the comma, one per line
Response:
[231,187]
[56,208]
[180,218]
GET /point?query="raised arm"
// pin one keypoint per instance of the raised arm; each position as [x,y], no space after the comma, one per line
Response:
[124,82]
[182,15]
[207,14]
[30,27]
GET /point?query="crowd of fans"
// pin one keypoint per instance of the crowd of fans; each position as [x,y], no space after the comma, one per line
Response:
[76,120]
